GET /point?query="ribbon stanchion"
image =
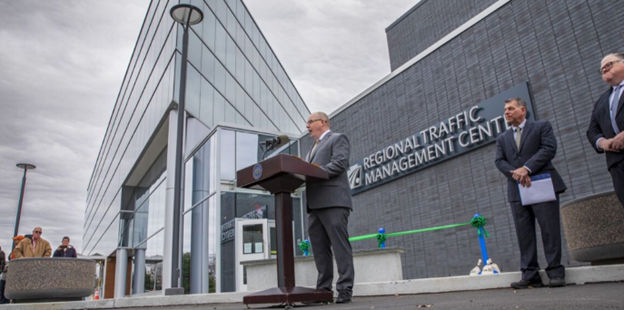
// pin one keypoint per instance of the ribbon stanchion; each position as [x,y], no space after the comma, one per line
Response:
[381,238]
[304,246]
[478,222]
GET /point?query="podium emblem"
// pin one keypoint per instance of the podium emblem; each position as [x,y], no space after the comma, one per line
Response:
[257,171]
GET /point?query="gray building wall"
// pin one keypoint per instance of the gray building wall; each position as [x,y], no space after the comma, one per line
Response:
[554,45]
[425,23]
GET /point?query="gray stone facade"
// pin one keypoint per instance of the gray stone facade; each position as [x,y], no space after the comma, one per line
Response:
[425,23]
[554,45]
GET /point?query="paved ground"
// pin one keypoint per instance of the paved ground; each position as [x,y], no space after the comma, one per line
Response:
[589,296]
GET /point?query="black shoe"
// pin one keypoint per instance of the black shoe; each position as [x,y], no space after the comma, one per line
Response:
[319,302]
[343,299]
[315,302]
[557,282]
[526,284]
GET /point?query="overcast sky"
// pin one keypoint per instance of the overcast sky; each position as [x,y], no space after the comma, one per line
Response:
[62,63]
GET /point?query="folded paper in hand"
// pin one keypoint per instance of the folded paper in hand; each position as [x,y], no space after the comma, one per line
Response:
[541,190]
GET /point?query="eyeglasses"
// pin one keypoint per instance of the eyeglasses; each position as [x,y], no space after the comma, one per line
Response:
[37,232]
[313,120]
[607,67]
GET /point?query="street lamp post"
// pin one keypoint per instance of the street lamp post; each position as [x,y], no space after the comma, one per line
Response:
[24,166]
[187,15]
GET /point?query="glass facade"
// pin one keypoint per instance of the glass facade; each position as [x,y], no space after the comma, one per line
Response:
[145,95]
[216,203]
[237,95]
[233,75]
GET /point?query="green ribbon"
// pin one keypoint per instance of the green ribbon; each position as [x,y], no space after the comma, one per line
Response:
[479,222]
[407,232]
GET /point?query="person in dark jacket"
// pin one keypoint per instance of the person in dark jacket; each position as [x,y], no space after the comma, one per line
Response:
[2,260]
[329,206]
[606,127]
[524,150]
[3,300]
[65,249]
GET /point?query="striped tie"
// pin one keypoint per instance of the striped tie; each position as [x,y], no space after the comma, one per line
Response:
[313,149]
[518,136]
[613,108]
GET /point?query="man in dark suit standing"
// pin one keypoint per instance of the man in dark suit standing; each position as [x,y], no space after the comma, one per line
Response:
[526,149]
[328,206]
[606,127]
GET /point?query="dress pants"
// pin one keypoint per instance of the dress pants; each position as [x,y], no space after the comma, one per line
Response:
[547,216]
[328,231]
[617,174]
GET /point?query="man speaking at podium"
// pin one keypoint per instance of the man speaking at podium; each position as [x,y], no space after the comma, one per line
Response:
[328,206]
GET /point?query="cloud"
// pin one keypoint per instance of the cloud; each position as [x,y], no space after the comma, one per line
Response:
[332,50]
[63,62]
[61,67]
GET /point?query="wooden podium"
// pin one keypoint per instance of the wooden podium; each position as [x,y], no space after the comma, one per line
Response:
[281,175]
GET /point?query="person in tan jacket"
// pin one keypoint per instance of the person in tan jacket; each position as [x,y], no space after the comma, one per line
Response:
[37,247]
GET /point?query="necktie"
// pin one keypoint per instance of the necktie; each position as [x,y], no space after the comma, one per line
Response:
[613,108]
[518,136]
[313,149]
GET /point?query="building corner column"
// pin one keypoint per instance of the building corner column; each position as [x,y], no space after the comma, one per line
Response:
[121,267]
[170,183]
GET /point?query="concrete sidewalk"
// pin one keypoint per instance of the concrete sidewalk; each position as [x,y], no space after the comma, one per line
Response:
[589,287]
[589,296]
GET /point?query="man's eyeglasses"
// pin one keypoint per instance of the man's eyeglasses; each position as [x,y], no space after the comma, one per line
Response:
[37,232]
[604,69]
[314,120]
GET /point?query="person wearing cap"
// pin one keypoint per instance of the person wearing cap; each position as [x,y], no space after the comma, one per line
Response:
[34,246]
[65,249]
[16,241]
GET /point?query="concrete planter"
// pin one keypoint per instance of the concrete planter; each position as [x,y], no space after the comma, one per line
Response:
[594,228]
[43,279]
[378,265]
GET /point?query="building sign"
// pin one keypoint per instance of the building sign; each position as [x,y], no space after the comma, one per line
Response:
[467,130]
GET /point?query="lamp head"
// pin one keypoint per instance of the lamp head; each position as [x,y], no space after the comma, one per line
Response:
[26,166]
[184,12]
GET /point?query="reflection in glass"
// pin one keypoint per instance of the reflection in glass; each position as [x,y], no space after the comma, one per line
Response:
[153,262]
[188,184]
[246,149]
[156,214]
[186,256]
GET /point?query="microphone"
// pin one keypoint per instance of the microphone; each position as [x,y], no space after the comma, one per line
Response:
[275,142]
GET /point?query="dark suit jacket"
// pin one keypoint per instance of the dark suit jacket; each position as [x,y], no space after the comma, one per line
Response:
[332,155]
[538,147]
[600,125]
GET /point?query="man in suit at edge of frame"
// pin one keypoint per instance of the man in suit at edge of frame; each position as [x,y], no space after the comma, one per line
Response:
[526,149]
[329,206]
[606,127]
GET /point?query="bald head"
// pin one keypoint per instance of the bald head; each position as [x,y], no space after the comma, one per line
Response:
[318,123]
[37,231]
[612,69]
